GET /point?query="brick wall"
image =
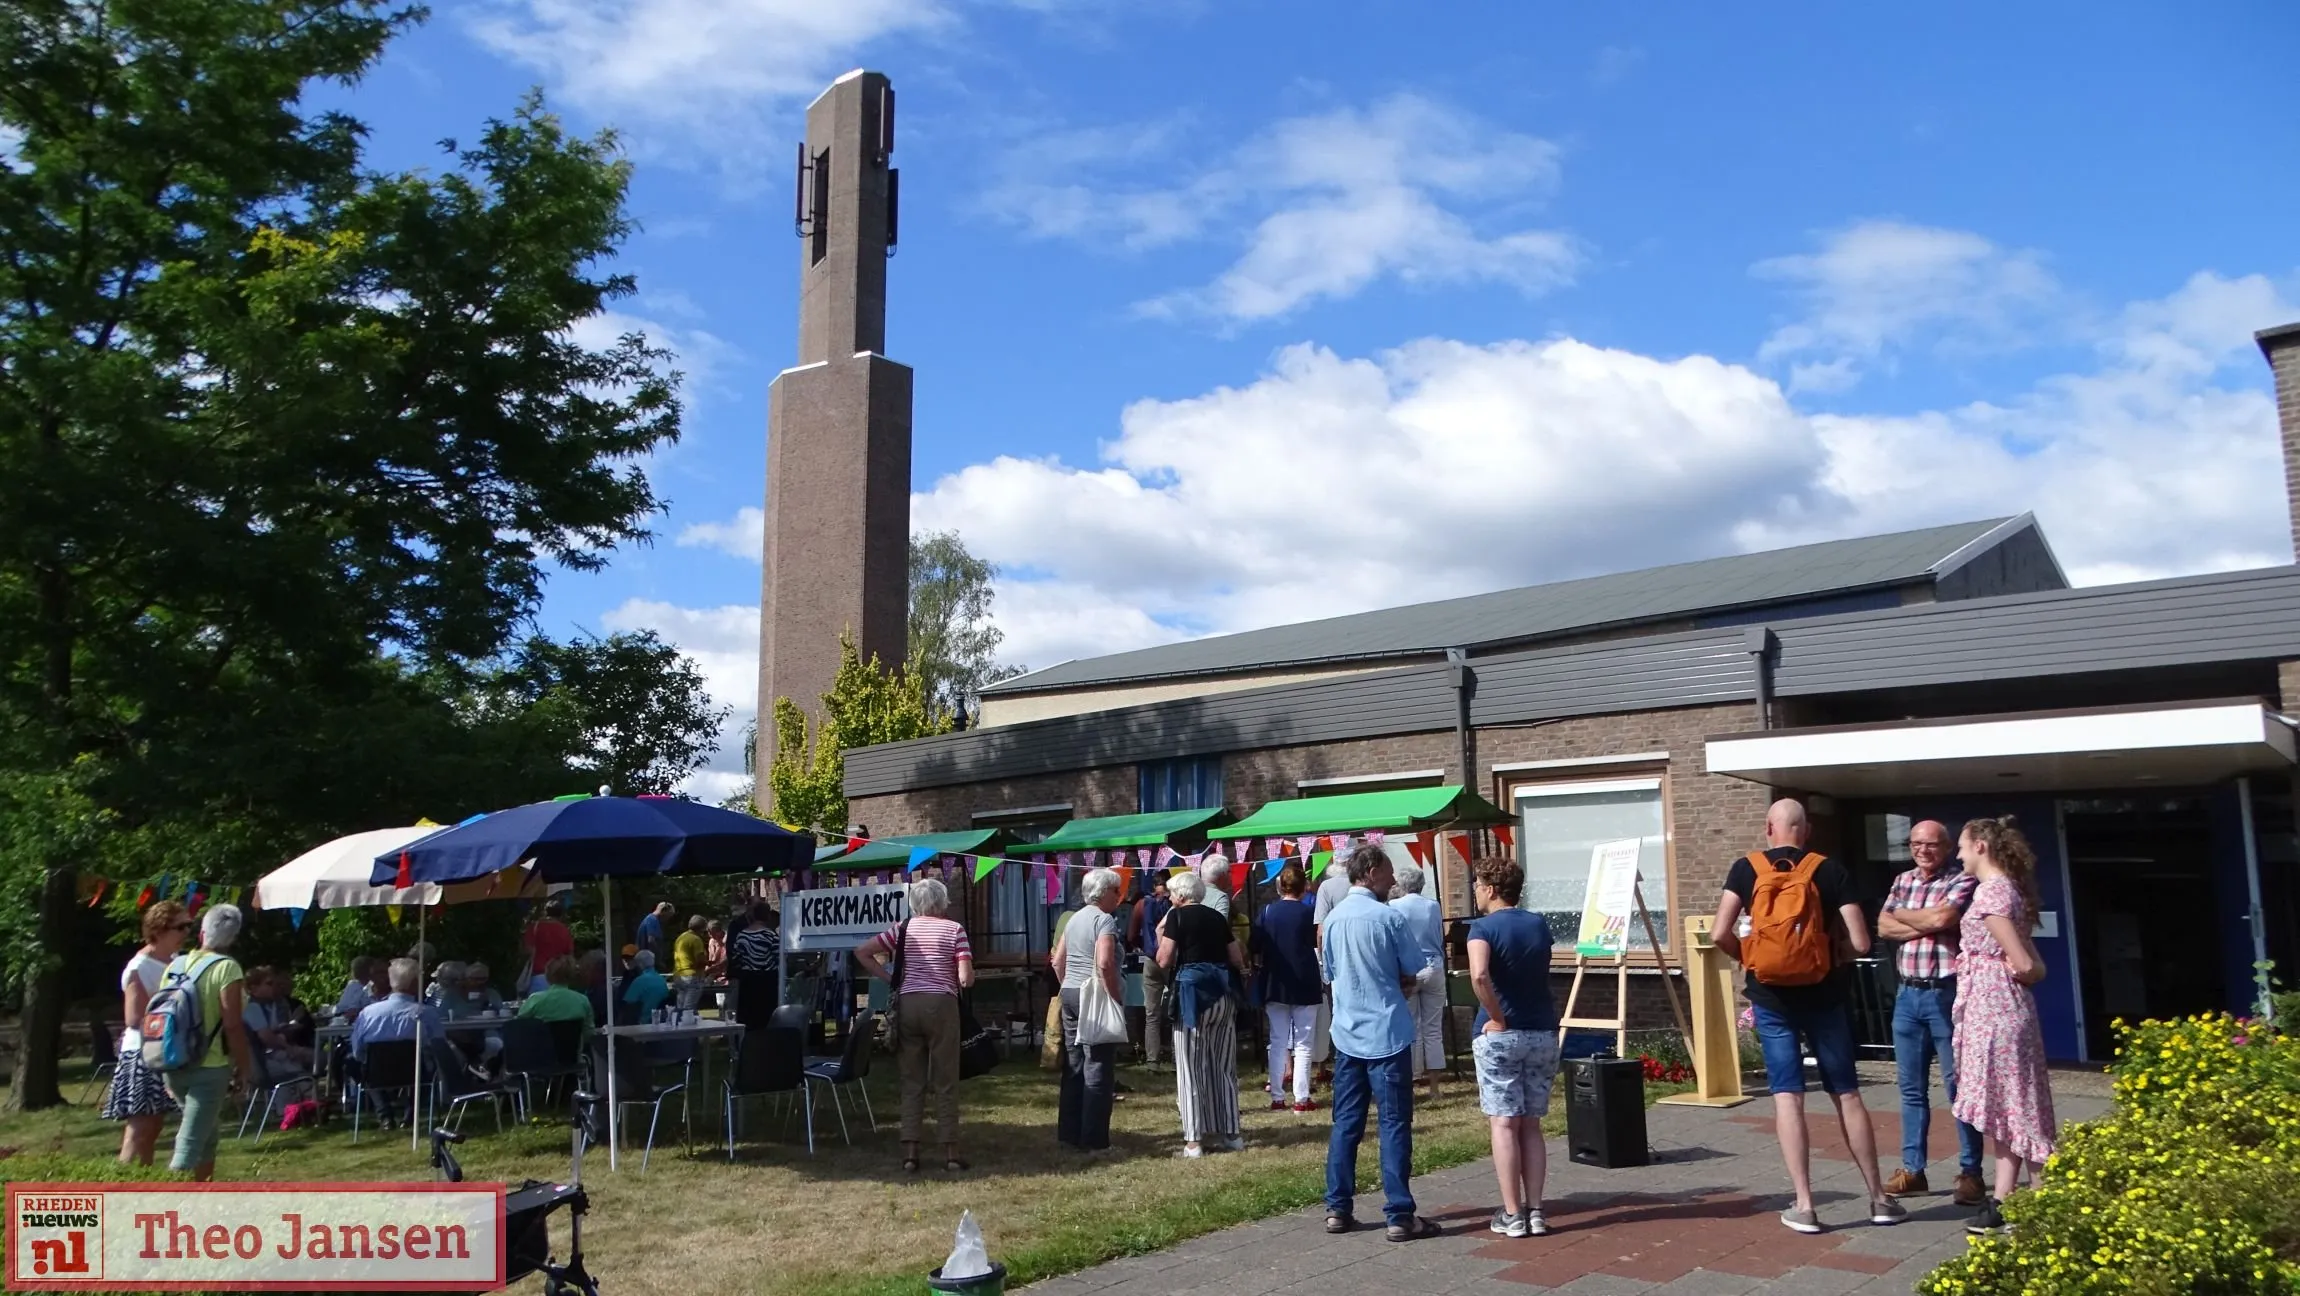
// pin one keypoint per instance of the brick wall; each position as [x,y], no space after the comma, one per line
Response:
[1111,790]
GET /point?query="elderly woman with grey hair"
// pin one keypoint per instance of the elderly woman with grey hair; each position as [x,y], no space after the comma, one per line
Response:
[1198,950]
[935,963]
[1088,951]
[1426,924]
[216,982]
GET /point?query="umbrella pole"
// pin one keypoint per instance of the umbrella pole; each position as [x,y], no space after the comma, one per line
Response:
[415,1100]
[614,1109]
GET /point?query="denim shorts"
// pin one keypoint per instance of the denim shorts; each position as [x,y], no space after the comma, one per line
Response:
[1515,1070]
[1827,1032]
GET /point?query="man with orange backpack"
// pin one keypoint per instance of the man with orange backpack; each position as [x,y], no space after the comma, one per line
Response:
[1805,928]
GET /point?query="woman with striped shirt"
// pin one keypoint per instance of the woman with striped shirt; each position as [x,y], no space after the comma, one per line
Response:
[937,963]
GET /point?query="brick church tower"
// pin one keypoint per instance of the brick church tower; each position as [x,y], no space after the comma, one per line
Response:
[838,423]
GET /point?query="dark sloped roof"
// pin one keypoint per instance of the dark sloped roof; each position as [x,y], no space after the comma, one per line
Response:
[1541,611]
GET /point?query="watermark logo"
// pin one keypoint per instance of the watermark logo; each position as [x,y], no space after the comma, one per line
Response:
[255,1237]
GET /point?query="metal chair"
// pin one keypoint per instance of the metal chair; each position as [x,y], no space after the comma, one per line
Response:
[388,1067]
[103,1055]
[635,1084]
[533,1050]
[772,1060]
[273,1090]
[455,1088]
[851,1067]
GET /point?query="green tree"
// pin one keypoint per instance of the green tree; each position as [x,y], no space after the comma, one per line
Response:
[284,442]
[953,641]
[868,704]
[631,711]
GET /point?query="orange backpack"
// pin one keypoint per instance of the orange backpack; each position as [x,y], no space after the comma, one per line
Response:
[1789,943]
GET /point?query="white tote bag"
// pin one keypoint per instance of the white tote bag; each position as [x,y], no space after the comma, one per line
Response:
[1101,1019]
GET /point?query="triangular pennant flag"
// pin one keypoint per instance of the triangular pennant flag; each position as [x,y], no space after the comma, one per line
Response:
[1318,863]
[1167,855]
[855,844]
[393,912]
[97,897]
[1507,836]
[1125,878]
[984,865]
[1054,886]
[1460,843]
[1270,868]
[144,898]
[1420,852]
[918,855]
[1061,860]
[1094,858]
[166,886]
[1306,846]
[295,919]
[1376,837]
[1237,878]
[1339,844]
[1142,856]
[1273,848]
[406,876]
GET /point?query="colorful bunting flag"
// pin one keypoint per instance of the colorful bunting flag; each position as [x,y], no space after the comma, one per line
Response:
[1507,836]
[1420,852]
[144,898]
[97,897]
[295,919]
[1142,856]
[1460,843]
[393,912]
[918,855]
[1237,877]
[406,876]
[1306,846]
[1270,868]
[985,865]
[1273,848]
[1318,863]
[1061,860]
[1376,837]
[1166,855]
[1125,878]
[1054,886]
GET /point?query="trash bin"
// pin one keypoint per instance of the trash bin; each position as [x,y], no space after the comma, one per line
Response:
[989,1284]
[1605,1112]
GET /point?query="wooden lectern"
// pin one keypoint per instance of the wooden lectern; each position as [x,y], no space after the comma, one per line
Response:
[1716,1035]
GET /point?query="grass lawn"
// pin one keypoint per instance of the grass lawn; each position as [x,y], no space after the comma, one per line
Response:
[847,1221]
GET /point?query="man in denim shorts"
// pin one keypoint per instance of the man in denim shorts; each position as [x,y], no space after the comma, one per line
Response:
[1820,1014]
[1514,1039]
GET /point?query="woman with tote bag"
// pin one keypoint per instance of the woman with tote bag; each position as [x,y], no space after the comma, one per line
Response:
[1093,1020]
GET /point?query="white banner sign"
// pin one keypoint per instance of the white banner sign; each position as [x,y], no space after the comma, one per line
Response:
[1611,895]
[841,918]
[255,1237]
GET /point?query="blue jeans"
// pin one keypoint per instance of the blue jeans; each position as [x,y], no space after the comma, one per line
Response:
[1921,1020]
[1389,1082]
[1828,1032]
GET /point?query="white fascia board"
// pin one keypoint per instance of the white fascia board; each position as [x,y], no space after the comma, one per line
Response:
[2211,726]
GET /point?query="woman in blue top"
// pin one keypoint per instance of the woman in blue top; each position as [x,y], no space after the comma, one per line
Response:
[1514,1040]
[1284,946]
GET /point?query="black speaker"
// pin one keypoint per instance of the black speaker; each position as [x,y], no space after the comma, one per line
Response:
[1605,1112]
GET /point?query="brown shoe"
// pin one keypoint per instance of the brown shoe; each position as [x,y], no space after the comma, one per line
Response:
[1969,1191]
[1906,1183]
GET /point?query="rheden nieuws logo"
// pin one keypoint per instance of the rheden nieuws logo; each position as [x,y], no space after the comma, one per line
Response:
[255,1237]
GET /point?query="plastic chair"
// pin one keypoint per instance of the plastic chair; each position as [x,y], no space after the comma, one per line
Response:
[388,1067]
[791,1017]
[273,1090]
[771,1061]
[533,1051]
[849,1068]
[103,1055]
[635,1084]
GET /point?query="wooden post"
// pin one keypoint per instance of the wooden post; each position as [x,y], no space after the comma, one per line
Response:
[1716,1036]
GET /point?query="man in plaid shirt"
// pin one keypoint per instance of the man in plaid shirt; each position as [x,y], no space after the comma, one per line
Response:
[1922,912]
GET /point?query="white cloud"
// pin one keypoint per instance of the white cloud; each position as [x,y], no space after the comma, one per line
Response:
[742,536]
[698,354]
[1333,484]
[1879,284]
[702,70]
[724,643]
[1333,202]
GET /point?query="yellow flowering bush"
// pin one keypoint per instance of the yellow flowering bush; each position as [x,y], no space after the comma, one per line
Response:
[2191,1186]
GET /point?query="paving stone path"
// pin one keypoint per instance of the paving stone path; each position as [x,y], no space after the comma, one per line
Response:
[1700,1221]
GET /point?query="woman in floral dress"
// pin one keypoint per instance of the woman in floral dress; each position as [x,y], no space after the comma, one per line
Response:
[2003,1089]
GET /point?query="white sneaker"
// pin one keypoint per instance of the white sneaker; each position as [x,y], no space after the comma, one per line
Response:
[1535,1225]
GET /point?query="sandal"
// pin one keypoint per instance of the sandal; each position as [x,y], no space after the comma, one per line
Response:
[1340,1223]
[1417,1227]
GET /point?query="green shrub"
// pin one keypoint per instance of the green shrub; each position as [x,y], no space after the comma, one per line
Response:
[2192,1184]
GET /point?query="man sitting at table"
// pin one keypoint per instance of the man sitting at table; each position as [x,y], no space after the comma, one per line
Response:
[398,1017]
[359,991]
[648,990]
[467,996]
[559,1000]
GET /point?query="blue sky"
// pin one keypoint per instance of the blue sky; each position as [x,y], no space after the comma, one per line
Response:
[1226,314]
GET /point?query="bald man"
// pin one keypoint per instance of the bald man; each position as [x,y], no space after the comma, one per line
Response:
[1922,912]
[1819,1014]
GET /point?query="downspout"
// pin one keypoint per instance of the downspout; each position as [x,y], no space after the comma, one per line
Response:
[1464,683]
[1760,642]
[2257,916]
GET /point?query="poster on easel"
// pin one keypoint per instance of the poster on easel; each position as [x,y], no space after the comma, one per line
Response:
[1610,900]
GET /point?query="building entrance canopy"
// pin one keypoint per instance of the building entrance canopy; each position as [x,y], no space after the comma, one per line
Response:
[2174,744]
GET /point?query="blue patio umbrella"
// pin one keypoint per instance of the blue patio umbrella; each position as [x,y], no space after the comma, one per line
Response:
[577,838]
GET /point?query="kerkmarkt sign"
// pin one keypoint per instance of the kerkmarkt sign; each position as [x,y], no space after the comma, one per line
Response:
[841,918]
[315,1237]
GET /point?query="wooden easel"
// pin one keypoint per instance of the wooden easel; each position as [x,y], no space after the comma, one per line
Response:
[1619,1022]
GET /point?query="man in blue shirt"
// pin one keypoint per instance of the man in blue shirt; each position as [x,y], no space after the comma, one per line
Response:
[1373,962]
[653,927]
[647,990]
[401,1016]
